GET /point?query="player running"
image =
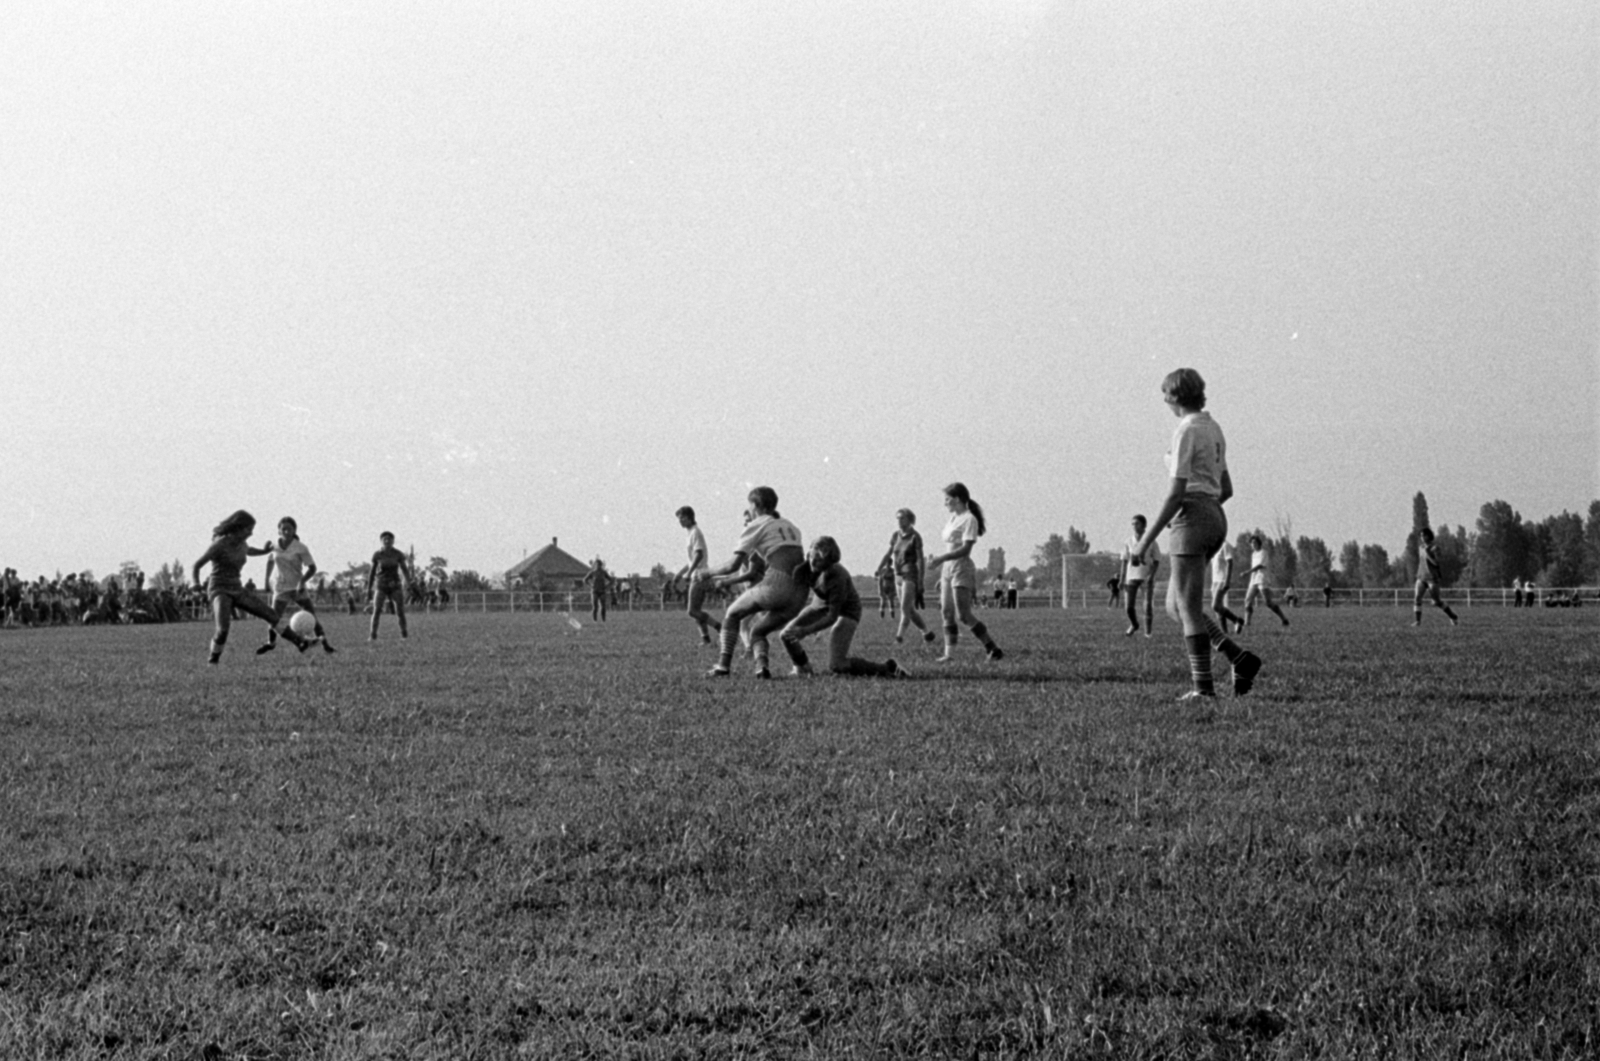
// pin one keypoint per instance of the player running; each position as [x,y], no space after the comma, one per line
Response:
[391,571]
[227,556]
[958,577]
[289,569]
[779,595]
[693,571]
[1258,583]
[1199,487]
[1221,580]
[1428,577]
[837,610]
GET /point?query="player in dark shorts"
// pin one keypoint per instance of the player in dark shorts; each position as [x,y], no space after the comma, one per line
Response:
[909,561]
[227,556]
[389,573]
[1428,576]
[837,609]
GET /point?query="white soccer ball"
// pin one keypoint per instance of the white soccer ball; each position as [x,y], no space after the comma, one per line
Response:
[303,623]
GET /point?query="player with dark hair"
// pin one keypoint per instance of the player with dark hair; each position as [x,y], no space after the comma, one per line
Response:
[837,610]
[693,570]
[227,556]
[1428,577]
[289,569]
[1198,488]
[958,577]
[1139,575]
[779,595]
[1258,583]
[390,571]
[909,562]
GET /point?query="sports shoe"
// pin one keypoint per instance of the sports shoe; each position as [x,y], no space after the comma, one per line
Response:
[763,673]
[1195,696]
[1130,631]
[326,648]
[1245,671]
[268,647]
[927,635]
[944,657]
[899,639]
[718,671]
[995,655]
[895,670]
[802,672]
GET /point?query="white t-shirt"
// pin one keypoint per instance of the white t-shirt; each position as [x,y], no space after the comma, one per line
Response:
[765,534]
[697,549]
[289,566]
[1258,567]
[1219,563]
[962,527]
[1198,454]
[1139,572]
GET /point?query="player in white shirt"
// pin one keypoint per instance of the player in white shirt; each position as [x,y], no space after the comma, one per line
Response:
[1198,488]
[698,560]
[1258,583]
[958,575]
[781,592]
[289,571]
[1221,580]
[1138,576]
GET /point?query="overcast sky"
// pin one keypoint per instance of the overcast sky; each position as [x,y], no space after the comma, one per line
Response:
[485,274]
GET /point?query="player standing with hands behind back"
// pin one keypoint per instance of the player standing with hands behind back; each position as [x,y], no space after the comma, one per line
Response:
[1200,485]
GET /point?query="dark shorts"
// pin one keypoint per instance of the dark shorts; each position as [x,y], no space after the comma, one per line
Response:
[1199,528]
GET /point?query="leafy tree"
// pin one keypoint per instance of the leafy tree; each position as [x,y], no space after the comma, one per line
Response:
[1455,549]
[438,569]
[1375,571]
[1282,564]
[352,576]
[1314,560]
[1564,556]
[1591,544]
[1413,552]
[997,563]
[1501,548]
[660,572]
[1077,541]
[467,580]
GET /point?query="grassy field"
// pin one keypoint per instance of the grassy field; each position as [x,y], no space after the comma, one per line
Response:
[501,839]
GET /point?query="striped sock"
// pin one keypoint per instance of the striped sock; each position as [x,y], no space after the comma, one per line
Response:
[726,642]
[1200,663]
[1221,642]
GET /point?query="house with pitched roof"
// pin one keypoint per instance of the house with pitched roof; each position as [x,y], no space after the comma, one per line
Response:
[550,567]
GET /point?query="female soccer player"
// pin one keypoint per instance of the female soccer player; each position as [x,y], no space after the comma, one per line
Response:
[289,569]
[958,578]
[698,558]
[1428,579]
[1200,485]
[1258,583]
[779,595]
[837,610]
[1136,576]
[227,556]
[910,565]
[1221,580]
[391,571]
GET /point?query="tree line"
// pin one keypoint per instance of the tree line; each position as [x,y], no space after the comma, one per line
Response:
[1559,550]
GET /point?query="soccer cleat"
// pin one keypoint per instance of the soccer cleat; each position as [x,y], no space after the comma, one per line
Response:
[215,657]
[1245,670]
[802,671]
[268,647]
[718,671]
[899,639]
[895,670]
[927,635]
[326,648]
[995,655]
[1130,631]
[1195,696]
[944,657]
[763,673]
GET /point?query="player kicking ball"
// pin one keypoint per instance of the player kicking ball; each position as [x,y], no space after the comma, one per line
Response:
[227,556]
[289,569]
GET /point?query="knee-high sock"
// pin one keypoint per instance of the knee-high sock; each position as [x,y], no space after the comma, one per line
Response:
[1199,646]
[727,641]
[1222,642]
[981,632]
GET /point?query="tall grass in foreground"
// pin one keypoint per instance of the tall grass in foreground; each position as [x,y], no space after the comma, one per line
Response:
[501,840]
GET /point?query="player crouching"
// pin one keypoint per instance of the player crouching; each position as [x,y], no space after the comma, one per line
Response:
[837,609]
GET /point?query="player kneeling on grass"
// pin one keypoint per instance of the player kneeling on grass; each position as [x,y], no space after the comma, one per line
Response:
[289,568]
[227,556]
[837,609]
[1428,579]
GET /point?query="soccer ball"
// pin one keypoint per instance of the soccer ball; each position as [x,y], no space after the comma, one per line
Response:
[303,623]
